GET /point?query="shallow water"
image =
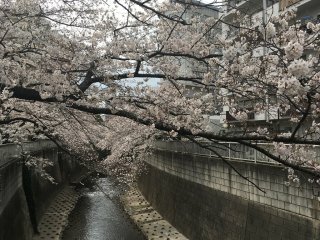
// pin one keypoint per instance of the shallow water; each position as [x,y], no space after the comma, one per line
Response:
[98,216]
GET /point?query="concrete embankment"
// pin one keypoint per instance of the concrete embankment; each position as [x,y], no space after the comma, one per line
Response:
[150,222]
[205,199]
[55,218]
[24,195]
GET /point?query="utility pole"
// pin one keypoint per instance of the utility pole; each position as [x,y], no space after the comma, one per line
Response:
[264,12]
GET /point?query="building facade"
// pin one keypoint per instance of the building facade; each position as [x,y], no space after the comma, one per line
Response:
[261,11]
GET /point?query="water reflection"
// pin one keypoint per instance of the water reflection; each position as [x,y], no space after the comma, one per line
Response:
[97,216]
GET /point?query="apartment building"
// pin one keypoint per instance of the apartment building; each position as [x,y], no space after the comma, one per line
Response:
[262,10]
[190,67]
[306,9]
[203,11]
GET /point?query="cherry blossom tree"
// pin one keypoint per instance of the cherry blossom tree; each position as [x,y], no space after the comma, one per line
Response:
[66,65]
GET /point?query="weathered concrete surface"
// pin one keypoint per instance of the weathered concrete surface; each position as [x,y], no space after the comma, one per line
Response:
[15,224]
[202,212]
[9,152]
[191,163]
[147,219]
[24,194]
[55,218]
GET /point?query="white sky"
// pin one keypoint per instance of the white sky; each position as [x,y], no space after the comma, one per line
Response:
[210,1]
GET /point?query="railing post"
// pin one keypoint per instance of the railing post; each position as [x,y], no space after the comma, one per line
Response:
[229,151]
[255,155]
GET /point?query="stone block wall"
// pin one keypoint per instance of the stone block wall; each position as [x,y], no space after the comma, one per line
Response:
[206,199]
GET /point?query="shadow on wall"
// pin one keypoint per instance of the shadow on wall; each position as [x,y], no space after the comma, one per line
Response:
[177,186]
[24,194]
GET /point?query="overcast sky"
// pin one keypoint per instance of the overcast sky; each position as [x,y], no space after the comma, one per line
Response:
[210,1]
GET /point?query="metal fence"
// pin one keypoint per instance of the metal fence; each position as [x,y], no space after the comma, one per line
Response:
[229,150]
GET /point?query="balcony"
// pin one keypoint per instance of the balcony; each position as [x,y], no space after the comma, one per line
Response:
[304,7]
[248,7]
[287,3]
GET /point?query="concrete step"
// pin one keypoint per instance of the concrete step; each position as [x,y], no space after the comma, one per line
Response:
[150,222]
[55,219]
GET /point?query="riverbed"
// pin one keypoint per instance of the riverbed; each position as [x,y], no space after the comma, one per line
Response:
[98,215]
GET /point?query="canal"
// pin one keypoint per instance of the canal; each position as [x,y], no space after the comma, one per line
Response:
[98,215]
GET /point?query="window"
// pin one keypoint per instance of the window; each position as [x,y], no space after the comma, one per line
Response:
[271,2]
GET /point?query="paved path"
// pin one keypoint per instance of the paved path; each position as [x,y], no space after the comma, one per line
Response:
[147,219]
[56,217]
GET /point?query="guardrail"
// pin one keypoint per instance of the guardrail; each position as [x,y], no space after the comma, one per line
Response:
[229,150]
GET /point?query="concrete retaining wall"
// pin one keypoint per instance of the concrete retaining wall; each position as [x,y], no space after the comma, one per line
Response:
[203,198]
[24,194]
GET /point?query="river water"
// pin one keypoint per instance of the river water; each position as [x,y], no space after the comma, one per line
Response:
[98,215]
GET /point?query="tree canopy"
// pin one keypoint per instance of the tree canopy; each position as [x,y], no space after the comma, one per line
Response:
[66,68]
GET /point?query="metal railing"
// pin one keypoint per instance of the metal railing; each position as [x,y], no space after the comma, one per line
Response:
[229,150]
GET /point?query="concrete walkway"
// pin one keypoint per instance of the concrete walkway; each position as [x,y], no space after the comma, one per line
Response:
[150,222]
[55,219]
